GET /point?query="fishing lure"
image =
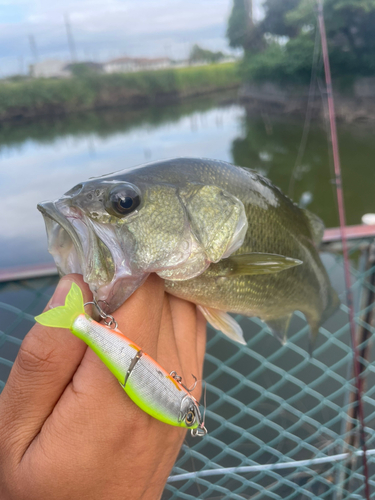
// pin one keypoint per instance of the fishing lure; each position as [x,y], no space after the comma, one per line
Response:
[157,392]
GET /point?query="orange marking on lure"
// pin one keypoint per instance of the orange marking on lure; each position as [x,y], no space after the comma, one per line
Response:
[134,347]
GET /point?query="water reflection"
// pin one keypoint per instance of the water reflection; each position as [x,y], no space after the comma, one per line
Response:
[271,147]
[40,160]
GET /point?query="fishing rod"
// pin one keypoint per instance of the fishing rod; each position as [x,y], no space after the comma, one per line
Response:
[341,210]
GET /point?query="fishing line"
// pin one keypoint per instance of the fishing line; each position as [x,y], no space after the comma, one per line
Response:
[341,208]
[310,105]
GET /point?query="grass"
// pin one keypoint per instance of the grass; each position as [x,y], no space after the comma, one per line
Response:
[42,96]
[213,75]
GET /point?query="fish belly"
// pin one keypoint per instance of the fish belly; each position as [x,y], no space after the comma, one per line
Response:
[267,297]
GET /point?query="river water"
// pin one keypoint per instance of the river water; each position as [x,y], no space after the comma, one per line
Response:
[43,159]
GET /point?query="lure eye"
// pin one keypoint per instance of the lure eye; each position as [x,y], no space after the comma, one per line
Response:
[122,200]
[190,418]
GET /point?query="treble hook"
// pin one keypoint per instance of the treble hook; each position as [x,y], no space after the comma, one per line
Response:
[194,385]
[201,430]
[178,379]
[103,315]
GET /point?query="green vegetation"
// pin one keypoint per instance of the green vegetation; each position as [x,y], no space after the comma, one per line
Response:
[213,76]
[36,97]
[242,31]
[198,54]
[281,46]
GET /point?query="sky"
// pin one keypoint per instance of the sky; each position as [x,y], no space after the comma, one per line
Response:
[106,29]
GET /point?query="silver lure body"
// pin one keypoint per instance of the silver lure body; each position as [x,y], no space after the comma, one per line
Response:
[152,388]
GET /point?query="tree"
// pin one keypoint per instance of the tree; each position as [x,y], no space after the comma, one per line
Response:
[85,69]
[281,45]
[349,26]
[241,30]
[198,54]
[275,17]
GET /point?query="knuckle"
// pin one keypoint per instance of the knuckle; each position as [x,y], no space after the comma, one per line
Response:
[76,390]
[35,355]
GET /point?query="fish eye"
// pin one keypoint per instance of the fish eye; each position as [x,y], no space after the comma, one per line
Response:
[190,418]
[122,200]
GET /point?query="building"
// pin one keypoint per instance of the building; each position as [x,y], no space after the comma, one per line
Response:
[54,68]
[132,64]
[50,68]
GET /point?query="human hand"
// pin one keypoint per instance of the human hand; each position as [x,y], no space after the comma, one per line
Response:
[67,428]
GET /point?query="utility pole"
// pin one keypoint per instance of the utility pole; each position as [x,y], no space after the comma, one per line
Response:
[69,34]
[20,65]
[33,48]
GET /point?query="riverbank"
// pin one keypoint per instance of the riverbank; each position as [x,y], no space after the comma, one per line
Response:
[104,123]
[354,102]
[51,97]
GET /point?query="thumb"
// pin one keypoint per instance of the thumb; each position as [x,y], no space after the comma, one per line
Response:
[47,359]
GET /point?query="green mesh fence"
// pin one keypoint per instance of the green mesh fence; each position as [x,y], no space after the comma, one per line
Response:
[281,425]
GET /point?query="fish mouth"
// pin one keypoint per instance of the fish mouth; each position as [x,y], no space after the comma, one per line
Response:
[62,232]
[79,245]
[64,243]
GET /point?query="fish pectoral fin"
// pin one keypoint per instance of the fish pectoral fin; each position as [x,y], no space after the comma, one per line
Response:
[222,321]
[313,334]
[279,327]
[217,218]
[250,264]
[316,225]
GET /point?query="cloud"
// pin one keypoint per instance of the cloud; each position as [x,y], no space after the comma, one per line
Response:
[103,30]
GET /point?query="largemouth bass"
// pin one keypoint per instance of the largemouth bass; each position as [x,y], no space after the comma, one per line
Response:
[221,236]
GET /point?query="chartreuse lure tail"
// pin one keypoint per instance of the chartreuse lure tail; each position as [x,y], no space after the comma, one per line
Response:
[154,390]
[64,316]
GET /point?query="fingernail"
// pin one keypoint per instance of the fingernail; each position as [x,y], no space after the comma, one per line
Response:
[58,298]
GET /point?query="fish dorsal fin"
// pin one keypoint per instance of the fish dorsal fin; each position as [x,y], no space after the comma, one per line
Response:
[250,264]
[222,321]
[279,327]
[316,225]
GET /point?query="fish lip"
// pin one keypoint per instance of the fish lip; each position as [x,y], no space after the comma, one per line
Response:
[122,278]
[49,209]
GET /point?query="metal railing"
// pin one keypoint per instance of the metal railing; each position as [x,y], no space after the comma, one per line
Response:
[281,425]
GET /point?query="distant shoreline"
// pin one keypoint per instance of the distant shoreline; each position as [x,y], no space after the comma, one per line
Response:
[353,103]
[43,97]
